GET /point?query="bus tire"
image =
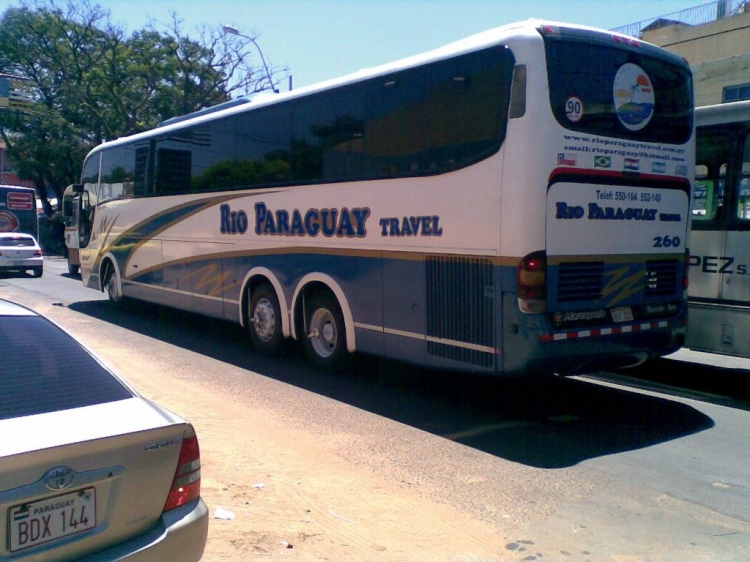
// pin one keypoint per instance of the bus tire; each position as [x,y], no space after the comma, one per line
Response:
[264,320]
[325,333]
[72,269]
[113,287]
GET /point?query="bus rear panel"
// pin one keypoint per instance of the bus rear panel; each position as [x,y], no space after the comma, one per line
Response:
[609,288]
[18,210]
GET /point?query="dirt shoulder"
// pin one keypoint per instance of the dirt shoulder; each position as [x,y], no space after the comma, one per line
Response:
[292,495]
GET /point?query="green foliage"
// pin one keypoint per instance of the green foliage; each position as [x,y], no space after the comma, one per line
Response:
[89,81]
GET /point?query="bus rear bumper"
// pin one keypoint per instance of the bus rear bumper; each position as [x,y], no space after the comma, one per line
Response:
[585,351]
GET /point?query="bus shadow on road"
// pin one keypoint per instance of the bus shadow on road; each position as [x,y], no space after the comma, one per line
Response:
[548,422]
[561,422]
[544,423]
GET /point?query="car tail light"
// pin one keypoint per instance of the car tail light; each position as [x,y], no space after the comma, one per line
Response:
[37,253]
[531,281]
[186,485]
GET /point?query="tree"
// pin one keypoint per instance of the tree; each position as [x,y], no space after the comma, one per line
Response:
[90,82]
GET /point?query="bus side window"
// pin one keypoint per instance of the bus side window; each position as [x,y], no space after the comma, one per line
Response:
[708,192]
[713,148]
[743,194]
[704,199]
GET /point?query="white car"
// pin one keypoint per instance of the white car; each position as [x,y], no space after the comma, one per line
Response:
[20,252]
[89,469]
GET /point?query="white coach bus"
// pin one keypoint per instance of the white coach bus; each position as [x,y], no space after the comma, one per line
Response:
[720,241]
[514,203]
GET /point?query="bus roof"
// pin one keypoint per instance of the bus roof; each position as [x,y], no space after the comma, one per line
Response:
[722,113]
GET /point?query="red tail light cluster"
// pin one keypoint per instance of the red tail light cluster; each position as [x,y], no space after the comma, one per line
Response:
[186,485]
[531,283]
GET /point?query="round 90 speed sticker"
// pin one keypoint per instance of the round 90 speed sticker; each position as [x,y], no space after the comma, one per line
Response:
[574,109]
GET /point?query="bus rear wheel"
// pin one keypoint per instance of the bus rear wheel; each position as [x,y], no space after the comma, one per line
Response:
[325,333]
[264,320]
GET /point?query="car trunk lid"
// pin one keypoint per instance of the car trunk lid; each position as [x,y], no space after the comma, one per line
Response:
[85,478]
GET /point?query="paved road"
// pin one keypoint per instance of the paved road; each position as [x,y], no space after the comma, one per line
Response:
[651,464]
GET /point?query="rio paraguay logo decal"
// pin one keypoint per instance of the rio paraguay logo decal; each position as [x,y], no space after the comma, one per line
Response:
[634,97]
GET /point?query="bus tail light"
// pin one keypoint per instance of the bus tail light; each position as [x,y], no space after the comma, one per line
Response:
[531,281]
[186,485]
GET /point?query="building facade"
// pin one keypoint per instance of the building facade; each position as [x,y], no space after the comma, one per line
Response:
[715,39]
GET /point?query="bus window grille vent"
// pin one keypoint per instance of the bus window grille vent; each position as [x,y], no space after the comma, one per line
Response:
[460,308]
[580,281]
[662,278]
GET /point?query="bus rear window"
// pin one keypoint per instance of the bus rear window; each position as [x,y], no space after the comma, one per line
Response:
[622,92]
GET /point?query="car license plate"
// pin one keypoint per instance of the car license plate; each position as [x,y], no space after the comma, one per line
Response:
[622,314]
[51,519]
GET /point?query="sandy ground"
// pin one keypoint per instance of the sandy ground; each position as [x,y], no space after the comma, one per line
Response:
[296,485]
[291,495]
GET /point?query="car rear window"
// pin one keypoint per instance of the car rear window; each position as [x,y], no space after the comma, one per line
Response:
[9,241]
[42,369]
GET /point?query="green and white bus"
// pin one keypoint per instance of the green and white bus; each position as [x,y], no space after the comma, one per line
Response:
[719,293]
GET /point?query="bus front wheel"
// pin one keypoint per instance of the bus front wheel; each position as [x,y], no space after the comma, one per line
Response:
[325,333]
[112,286]
[264,323]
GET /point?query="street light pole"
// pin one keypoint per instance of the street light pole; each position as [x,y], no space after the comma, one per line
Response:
[231,30]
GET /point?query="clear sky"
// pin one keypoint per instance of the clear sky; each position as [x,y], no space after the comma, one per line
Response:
[321,39]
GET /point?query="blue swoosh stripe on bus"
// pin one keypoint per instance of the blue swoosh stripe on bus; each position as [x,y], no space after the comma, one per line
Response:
[125,244]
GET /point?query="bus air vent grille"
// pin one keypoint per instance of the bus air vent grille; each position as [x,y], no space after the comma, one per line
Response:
[662,278]
[580,281]
[460,309]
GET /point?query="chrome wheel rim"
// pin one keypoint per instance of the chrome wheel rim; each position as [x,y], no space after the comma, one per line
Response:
[264,320]
[323,333]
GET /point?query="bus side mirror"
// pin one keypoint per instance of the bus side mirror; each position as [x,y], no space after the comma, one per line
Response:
[77,188]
